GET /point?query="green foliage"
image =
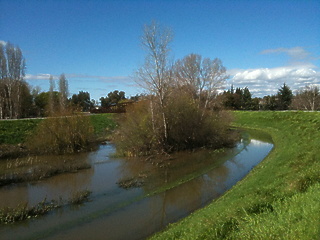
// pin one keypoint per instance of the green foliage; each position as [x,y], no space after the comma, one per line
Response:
[284,97]
[270,103]
[82,100]
[43,100]
[241,99]
[112,98]
[14,132]
[279,199]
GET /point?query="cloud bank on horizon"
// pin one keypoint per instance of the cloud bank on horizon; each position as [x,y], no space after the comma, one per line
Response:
[298,73]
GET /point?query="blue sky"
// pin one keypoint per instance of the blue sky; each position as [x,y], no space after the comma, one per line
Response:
[97,43]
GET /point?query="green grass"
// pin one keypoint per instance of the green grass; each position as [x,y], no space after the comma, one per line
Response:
[17,131]
[103,123]
[279,199]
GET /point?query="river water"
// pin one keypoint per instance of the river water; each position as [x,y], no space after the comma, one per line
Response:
[136,212]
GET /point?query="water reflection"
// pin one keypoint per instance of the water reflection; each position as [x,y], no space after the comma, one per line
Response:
[114,213]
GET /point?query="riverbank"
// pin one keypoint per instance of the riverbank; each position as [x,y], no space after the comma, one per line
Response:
[19,164]
[14,134]
[279,199]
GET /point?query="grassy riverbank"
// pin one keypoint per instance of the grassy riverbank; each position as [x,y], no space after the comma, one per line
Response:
[17,131]
[279,199]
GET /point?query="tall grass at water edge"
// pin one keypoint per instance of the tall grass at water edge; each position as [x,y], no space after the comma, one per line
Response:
[278,199]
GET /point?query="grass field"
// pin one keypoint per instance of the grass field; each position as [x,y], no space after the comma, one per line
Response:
[103,124]
[279,199]
[17,131]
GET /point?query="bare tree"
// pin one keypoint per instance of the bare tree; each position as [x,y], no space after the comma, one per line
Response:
[64,92]
[155,74]
[51,100]
[12,71]
[201,77]
[307,98]
[3,74]
[171,118]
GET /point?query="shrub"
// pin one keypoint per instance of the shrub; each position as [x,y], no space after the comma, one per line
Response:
[135,135]
[188,127]
[191,126]
[61,134]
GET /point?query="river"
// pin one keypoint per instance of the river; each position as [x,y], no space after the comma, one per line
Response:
[159,192]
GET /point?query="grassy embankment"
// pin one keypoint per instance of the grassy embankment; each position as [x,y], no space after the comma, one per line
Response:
[279,199]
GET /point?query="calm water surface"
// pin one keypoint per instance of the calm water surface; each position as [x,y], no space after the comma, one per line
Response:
[118,213]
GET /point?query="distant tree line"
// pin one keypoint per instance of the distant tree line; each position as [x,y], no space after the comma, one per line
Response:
[19,100]
[307,98]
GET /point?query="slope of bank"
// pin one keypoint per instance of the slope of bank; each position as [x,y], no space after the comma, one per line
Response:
[279,199]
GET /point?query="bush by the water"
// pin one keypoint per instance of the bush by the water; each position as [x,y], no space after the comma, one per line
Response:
[187,126]
[62,134]
[179,112]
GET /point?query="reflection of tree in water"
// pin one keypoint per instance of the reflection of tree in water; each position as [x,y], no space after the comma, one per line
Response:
[215,181]
[181,200]
[188,197]
[156,172]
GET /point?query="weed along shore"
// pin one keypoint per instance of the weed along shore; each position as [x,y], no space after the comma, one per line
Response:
[279,199]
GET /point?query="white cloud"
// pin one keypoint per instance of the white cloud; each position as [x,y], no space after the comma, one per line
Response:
[297,55]
[3,42]
[40,76]
[46,76]
[265,81]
